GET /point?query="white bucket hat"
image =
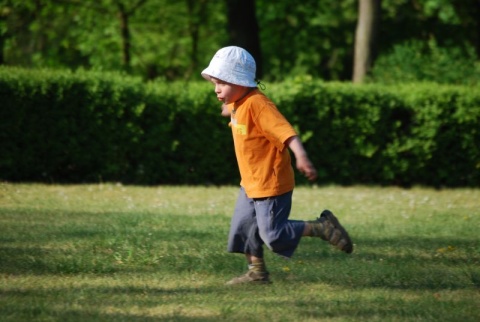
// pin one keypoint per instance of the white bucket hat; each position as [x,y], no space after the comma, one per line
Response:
[233,65]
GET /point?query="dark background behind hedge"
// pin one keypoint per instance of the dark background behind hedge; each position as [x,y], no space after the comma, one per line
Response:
[80,127]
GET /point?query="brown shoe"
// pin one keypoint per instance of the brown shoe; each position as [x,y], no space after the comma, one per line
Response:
[328,228]
[251,277]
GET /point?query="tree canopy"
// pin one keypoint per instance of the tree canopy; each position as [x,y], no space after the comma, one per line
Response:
[176,39]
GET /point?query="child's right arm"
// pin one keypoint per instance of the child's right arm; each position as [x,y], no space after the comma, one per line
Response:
[304,165]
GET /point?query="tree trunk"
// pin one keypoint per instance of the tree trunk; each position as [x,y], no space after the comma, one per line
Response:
[3,36]
[124,16]
[125,34]
[365,38]
[198,14]
[243,29]
[477,21]
[2,44]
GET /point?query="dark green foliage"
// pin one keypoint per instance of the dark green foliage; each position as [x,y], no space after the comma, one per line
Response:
[175,40]
[415,61]
[58,126]
[403,135]
[63,126]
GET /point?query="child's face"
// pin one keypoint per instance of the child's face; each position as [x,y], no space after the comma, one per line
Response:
[228,93]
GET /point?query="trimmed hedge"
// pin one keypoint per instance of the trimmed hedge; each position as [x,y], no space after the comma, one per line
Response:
[59,126]
[423,134]
[74,127]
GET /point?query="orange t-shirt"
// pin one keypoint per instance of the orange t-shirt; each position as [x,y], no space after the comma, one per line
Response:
[259,134]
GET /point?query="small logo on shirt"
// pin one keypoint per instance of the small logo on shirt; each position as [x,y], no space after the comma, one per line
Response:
[240,129]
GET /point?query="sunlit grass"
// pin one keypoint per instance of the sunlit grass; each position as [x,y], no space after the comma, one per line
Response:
[110,252]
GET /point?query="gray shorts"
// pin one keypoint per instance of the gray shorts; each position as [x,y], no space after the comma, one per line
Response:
[256,222]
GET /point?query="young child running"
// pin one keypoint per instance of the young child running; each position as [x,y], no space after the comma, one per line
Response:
[262,138]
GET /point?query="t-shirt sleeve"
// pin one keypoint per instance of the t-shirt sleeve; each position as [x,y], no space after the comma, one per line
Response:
[274,125]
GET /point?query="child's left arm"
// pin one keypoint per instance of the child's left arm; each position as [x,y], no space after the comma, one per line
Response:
[225,111]
[304,165]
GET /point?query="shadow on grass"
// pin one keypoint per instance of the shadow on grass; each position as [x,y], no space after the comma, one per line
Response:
[214,303]
[397,263]
[126,243]
[114,303]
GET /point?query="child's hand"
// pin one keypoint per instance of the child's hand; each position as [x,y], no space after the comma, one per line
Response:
[306,167]
[303,162]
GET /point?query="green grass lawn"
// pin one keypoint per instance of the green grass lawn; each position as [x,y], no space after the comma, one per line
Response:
[110,252]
